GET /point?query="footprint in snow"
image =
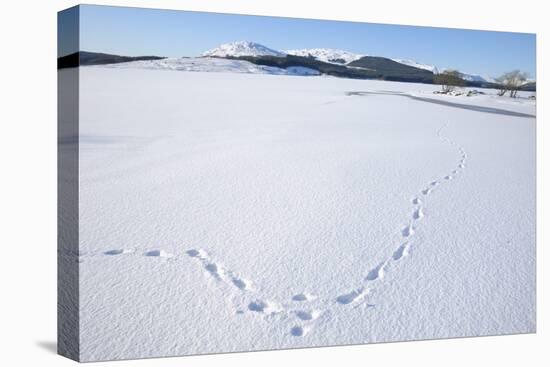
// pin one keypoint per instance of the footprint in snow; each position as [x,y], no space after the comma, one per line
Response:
[353,296]
[120,251]
[378,272]
[402,251]
[298,331]
[199,254]
[240,283]
[418,214]
[158,253]
[214,270]
[308,315]
[407,231]
[218,271]
[263,307]
[301,297]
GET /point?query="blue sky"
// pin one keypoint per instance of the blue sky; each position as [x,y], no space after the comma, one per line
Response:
[137,31]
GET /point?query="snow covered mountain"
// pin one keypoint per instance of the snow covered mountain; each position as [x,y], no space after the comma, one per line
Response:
[476,78]
[242,48]
[418,65]
[327,55]
[311,61]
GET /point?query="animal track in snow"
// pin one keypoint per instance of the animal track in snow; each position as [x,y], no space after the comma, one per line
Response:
[118,251]
[407,231]
[214,270]
[218,271]
[378,272]
[298,331]
[308,315]
[402,251]
[353,296]
[301,297]
[263,307]
[240,283]
[158,253]
[418,214]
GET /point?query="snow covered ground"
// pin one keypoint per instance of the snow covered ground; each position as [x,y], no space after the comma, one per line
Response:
[231,212]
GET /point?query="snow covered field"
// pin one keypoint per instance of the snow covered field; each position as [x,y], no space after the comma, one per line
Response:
[231,212]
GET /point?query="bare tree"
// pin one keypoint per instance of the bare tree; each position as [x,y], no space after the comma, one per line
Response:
[449,79]
[511,82]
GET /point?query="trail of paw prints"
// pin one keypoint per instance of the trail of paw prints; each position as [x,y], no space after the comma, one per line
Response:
[83,256]
[255,304]
[358,295]
[299,310]
[353,296]
[304,316]
[218,271]
[129,251]
[119,251]
[124,251]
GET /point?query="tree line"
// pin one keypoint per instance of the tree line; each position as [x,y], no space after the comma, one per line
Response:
[509,82]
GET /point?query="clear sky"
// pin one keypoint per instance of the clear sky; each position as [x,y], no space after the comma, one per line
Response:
[138,31]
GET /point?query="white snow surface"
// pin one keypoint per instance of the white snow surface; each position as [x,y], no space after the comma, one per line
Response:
[418,65]
[212,64]
[226,212]
[242,48]
[326,54]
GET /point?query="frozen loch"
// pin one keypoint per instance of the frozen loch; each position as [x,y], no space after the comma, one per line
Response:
[232,211]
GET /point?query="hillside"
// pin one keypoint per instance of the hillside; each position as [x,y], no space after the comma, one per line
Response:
[393,70]
[326,55]
[257,58]
[83,58]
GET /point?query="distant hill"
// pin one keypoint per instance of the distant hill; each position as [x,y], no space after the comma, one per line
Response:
[529,87]
[314,61]
[83,58]
[310,63]
[327,55]
[418,65]
[393,70]
[213,64]
[241,48]
[326,61]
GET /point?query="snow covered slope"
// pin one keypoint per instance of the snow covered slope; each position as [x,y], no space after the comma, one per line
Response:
[418,65]
[230,212]
[327,55]
[242,48]
[476,78]
[212,64]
